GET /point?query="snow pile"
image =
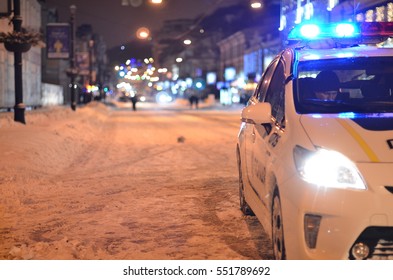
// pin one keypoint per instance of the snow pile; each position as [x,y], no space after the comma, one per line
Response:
[60,131]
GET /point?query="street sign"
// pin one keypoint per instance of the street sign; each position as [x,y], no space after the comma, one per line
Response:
[58,38]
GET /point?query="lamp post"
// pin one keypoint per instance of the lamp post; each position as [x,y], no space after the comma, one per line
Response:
[19,109]
[72,70]
[91,62]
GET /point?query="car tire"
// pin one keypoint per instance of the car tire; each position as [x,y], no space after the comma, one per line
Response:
[244,207]
[277,229]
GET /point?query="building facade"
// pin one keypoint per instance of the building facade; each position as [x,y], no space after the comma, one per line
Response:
[31,60]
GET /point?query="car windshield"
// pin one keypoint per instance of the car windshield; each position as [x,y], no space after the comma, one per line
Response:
[364,85]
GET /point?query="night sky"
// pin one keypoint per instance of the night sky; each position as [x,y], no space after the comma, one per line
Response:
[118,23]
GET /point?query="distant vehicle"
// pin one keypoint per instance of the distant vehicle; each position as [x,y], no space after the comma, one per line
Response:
[140,97]
[315,146]
[124,98]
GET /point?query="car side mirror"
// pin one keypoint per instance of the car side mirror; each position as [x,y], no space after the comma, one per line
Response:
[259,113]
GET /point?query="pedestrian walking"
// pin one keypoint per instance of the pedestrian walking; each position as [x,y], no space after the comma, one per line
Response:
[193,98]
[134,100]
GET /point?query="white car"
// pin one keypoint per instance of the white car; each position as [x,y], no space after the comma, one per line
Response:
[318,173]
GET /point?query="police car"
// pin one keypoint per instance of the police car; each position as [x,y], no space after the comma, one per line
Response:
[316,170]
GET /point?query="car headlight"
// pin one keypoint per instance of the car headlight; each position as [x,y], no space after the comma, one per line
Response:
[327,168]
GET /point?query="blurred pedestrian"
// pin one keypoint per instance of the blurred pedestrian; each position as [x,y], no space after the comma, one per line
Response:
[134,100]
[193,98]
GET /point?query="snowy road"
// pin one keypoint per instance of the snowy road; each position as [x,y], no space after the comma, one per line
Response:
[110,183]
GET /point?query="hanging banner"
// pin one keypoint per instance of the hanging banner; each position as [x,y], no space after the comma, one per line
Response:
[58,37]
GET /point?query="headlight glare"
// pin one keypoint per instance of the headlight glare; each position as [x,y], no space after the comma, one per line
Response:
[328,169]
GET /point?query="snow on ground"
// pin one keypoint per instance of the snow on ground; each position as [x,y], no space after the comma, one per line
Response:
[73,186]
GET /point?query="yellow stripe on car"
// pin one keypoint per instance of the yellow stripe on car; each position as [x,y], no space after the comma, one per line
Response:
[362,143]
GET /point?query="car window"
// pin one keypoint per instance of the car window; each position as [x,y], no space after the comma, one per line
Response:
[365,85]
[275,93]
[263,84]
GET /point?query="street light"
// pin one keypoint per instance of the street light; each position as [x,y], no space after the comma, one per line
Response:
[72,70]
[256,4]
[143,33]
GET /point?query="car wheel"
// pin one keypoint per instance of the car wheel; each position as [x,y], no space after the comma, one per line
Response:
[277,229]
[244,207]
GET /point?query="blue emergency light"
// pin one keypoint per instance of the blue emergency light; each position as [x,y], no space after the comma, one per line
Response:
[311,31]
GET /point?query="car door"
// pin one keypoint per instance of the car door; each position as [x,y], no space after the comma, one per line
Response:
[249,127]
[267,136]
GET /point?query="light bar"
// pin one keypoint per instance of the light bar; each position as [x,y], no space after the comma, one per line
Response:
[313,31]
[364,31]
[377,29]
[345,30]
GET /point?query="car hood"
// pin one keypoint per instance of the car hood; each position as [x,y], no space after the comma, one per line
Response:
[362,138]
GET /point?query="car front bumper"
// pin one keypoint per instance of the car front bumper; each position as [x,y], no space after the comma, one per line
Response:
[345,214]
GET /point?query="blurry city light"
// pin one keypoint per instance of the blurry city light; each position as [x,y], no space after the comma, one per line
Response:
[163,97]
[189,82]
[187,42]
[143,33]
[256,4]
[156,1]
[124,85]
[211,78]
[235,95]
[332,4]
[308,11]
[179,59]
[91,88]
